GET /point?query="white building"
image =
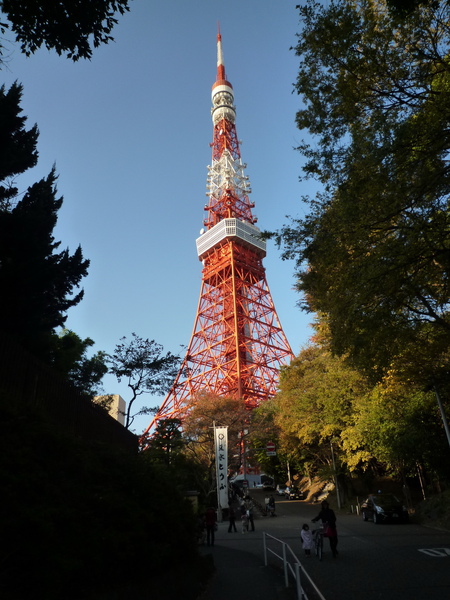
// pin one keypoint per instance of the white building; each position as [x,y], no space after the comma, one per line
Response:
[116,406]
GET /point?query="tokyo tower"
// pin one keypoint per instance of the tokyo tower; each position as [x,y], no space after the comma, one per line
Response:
[237,345]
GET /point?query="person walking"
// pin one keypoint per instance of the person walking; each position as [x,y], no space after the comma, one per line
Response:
[249,507]
[201,531]
[210,523]
[328,518]
[231,519]
[307,539]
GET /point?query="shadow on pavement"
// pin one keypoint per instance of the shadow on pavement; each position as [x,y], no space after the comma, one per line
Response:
[241,575]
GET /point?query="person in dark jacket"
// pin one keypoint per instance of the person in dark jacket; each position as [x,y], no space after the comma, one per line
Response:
[231,519]
[210,522]
[328,519]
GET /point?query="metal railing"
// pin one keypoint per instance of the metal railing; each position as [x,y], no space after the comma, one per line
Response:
[291,565]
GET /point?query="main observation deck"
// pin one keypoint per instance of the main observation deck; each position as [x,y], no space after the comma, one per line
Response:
[231,229]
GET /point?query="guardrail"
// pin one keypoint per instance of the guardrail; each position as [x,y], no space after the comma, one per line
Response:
[291,565]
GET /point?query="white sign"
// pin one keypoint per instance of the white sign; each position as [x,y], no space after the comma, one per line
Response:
[221,447]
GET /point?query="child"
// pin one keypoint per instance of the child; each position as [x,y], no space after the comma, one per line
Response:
[307,539]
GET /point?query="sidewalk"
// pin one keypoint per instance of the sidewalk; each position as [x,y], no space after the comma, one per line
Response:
[240,572]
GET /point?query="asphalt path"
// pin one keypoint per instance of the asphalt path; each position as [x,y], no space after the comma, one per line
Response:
[387,561]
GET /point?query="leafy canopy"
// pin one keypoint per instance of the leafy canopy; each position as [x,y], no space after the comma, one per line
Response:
[70,27]
[142,364]
[315,405]
[393,426]
[72,360]
[373,253]
[203,411]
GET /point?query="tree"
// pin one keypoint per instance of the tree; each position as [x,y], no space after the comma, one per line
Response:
[144,367]
[38,283]
[373,254]
[264,430]
[167,441]
[400,429]
[393,427]
[77,504]
[18,151]
[315,408]
[166,451]
[203,411]
[67,26]
[70,358]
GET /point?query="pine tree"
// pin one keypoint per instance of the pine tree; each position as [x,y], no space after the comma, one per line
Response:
[37,280]
[17,146]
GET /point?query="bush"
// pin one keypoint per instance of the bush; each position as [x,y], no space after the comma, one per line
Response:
[84,520]
[435,511]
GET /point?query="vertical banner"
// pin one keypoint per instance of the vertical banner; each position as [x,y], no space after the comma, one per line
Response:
[221,447]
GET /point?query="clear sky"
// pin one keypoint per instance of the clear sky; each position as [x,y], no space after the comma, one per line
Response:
[130,133]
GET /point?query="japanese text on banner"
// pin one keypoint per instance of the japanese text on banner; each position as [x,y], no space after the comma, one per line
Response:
[221,446]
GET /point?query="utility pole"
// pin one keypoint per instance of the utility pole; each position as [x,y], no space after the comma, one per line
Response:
[336,483]
[443,415]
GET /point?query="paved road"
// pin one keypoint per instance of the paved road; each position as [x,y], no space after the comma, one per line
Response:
[375,562]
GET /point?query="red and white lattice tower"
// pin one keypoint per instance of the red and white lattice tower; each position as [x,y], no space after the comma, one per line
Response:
[237,345]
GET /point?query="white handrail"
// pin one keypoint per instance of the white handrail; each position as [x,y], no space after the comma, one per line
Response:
[294,567]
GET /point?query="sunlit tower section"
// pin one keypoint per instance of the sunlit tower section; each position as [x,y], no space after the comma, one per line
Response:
[237,345]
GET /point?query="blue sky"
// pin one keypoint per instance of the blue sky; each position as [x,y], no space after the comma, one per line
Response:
[130,133]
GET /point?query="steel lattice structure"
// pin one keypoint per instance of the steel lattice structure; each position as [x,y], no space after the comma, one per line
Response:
[237,346]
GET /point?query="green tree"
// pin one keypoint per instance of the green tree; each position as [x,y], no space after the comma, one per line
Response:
[315,407]
[263,430]
[18,151]
[167,441]
[38,282]
[70,27]
[145,368]
[71,359]
[373,254]
[400,429]
[391,428]
[166,449]
[203,411]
